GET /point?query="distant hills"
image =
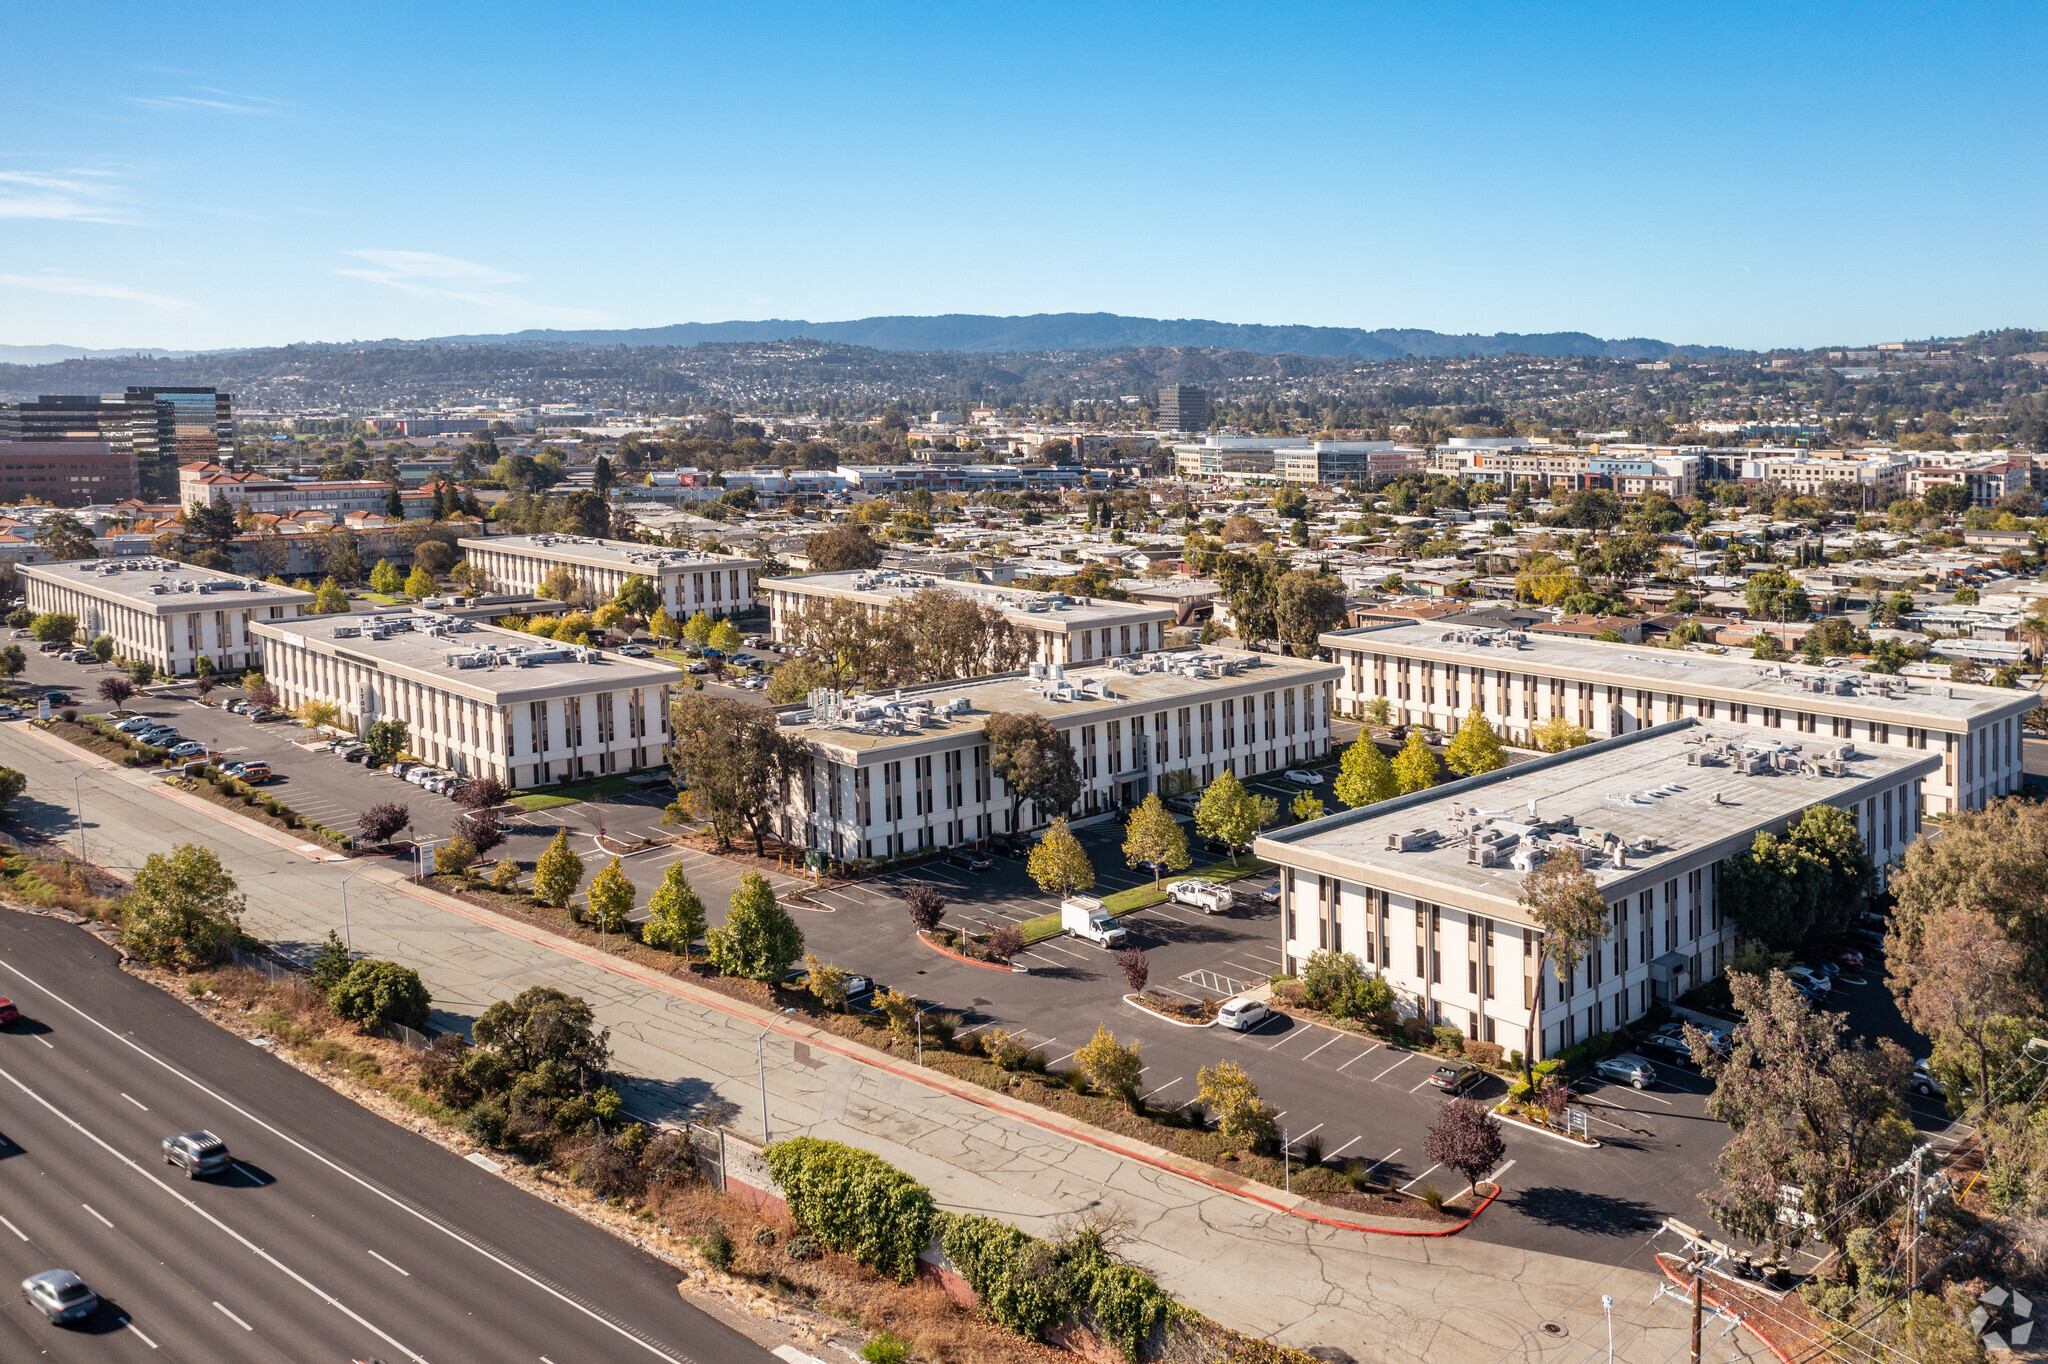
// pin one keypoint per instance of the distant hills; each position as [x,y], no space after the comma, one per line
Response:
[976,332]
[50,355]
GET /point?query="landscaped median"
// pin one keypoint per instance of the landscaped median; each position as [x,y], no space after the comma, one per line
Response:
[1144,897]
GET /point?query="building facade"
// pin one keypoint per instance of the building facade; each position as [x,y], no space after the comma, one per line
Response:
[1434,673]
[685,581]
[892,774]
[1183,409]
[475,699]
[66,473]
[162,427]
[1425,889]
[199,484]
[168,613]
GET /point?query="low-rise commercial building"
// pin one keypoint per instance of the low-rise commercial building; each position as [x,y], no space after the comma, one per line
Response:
[66,473]
[199,484]
[1062,628]
[1425,889]
[476,699]
[168,613]
[686,581]
[1433,674]
[892,774]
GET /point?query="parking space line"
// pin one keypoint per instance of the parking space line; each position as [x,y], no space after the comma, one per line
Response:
[1382,1160]
[1419,1084]
[1068,1057]
[1345,1147]
[1305,1135]
[1287,1037]
[1493,1178]
[1418,1179]
[1406,1057]
[1335,1038]
[1362,1055]
[1161,1090]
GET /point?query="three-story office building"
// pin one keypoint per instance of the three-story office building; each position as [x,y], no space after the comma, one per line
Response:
[686,581]
[168,613]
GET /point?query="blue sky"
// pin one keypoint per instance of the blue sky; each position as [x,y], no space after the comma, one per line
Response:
[216,175]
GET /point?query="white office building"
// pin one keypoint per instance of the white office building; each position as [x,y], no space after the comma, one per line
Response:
[686,581]
[168,613]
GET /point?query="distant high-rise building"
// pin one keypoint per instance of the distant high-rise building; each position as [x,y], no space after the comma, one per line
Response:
[1183,409]
[160,427]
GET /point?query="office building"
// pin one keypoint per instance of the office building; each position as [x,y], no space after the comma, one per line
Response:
[169,613]
[199,484]
[1062,628]
[686,581]
[1425,889]
[66,473]
[476,699]
[1433,673]
[162,428]
[1183,409]
[893,774]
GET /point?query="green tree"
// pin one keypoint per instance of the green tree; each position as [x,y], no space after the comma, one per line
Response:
[329,964]
[698,631]
[12,784]
[142,672]
[1241,1117]
[54,627]
[675,916]
[375,994]
[825,983]
[725,637]
[1306,806]
[1058,862]
[636,597]
[558,871]
[795,680]
[330,599]
[419,584]
[455,857]
[184,910]
[611,898]
[64,536]
[1110,1065]
[1155,838]
[758,938]
[387,739]
[385,578]
[1034,761]
[1305,605]
[1475,748]
[1415,766]
[543,1026]
[103,648]
[1776,595]
[1232,815]
[12,660]
[1365,777]
[1807,882]
[1564,902]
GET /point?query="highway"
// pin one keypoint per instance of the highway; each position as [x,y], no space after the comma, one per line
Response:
[338,1235]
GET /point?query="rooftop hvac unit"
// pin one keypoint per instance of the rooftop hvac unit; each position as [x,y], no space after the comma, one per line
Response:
[1413,840]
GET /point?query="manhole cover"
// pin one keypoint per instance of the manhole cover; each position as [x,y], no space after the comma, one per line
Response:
[1554,1328]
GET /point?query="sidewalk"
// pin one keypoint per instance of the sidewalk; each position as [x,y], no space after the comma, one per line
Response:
[1252,1267]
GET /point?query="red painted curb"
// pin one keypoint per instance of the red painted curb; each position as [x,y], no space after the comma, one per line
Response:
[971,961]
[1715,1303]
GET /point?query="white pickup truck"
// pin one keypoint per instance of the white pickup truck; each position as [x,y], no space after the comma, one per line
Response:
[1084,916]
[1206,896]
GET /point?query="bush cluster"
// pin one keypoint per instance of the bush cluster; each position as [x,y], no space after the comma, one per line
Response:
[535,1077]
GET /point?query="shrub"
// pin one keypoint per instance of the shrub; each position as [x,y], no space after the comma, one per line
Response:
[184,910]
[330,963]
[855,1203]
[758,939]
[12,784]
[1112,1067]
[675,916]
[802,1248]
[764,1236]
[827,983]
[376,993]
[379,823]
[886,1348]
[926,905]
[1487,1054]
[558,871]
[1240,1115]
[1433,1196]
[1327,976]
[1003,1047]
[455,857]
[1136,968]
[1448,1039]
[506,875]
[715,1246]
[487,1123]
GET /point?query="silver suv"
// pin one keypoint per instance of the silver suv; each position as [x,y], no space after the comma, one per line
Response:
[197,1153]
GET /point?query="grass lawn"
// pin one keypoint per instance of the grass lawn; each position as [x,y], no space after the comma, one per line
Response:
[1143,897]
[556,796]
[383,599]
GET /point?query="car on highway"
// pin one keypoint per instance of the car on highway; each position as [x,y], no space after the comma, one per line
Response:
[60,1295]
[1302,778]
[9,1013]
[1206,896]
[1628,1069]
[1241,1015]
[1455,1077]
[1926,1083]
[1270,894]
[196,1153]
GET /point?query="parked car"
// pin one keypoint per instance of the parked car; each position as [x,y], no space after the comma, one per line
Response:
[700,668]
[51,646]
[83,656]
[1270,893]
[9,1014]
[255,773]
[970,861]
[354,755]
[1813,982]
[1302,778]
[635,651]
[60,1295]
[1629,1069]
[191,748]
[263,715]
[9,711]
[57,698]
[18,634]
[1926,1082]
[1084,916]
[1455,1077]
[1242,1015]
[1847,957]
[1667,1046]
[1206,896]
[135,724]
[1863,940]
[196,1153]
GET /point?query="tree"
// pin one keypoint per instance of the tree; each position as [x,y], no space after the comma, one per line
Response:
[116,689]
[611,898]
[12,660]
[483,793]
[540,1025]
[698,631]
[1058,862]
[1807,882]
[379,823]
[1136,967]
[558,871]
[387,739]
[927,906]
[435,556]
[64,536]
[184,909]
[263,695]
[1994,859]
[419,583]
[455,857]
[1232,815]
[1475,748]
[758,939]
[1365,777]
[385,578]
[841,549]
[1034,761]
[735,762]
[482,830]
[1465,1137]
[1956,977]
[1561,897]
[330,599]
[56,627]
[1241,1117]
[142,672]
[725,637]
[1558,734]
[12,784]
[797,679]
[1806,1108]
[675,916]
[662,625]
[825,982]
[319,714]
[559,584]
[376,994]
[103,648]
[1305,605]
[1155,838]
[1414,766]
[329,964]
[1776,595]
[1306,806]
[636,597]
[1110,1066]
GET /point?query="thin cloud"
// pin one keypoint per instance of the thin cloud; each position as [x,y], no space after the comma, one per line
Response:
[424,274]
[73,196]
[85,288]
[207,100]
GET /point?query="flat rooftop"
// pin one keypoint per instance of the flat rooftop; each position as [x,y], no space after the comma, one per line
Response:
[1640,789]
[477,660]
[1093,691]
[1838,691]
[1041,610]
[164,585]
[627,554]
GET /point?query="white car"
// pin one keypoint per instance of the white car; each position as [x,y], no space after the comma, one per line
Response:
[1270,894]
[1815,981]
[1302,778]
[1206,896]
[1242,1015]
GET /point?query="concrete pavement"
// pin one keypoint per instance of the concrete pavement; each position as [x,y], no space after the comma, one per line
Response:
[686,1053]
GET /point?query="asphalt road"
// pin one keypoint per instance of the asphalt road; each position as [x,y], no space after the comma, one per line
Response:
[337,1235]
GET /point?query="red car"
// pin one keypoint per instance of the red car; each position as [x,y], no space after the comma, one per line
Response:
[8,1013]
[1849,958]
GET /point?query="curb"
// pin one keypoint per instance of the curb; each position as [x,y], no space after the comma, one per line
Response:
[971,961]
[1132,1000]
[1590,1144]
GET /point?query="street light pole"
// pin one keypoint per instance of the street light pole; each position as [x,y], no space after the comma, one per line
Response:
[348,938]
[1607,1306]
[78,799]
[761,1061]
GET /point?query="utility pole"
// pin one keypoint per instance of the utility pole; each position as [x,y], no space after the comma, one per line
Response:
[1697,1268]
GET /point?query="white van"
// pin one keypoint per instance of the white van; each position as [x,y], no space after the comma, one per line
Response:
[1084,916]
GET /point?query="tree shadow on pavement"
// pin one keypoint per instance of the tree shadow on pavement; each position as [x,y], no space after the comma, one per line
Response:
[27,812]
[685,1097]
[1583,1211]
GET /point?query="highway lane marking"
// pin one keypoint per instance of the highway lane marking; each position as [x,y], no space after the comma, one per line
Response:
[11,1227]
[1418,1179]
[408,1273]
[1362,1055]
[1345,1147]
[233,1318]
[138,1334]
[97,1213]
[247,1173]
[137,1102]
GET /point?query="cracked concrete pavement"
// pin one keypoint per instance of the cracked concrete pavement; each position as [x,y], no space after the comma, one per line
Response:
[1254,1268]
